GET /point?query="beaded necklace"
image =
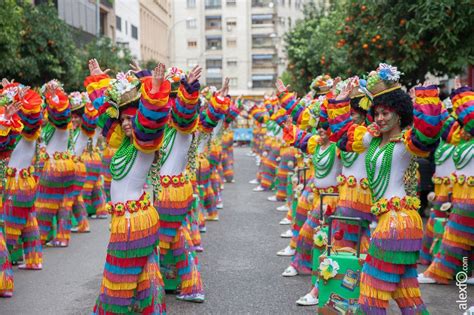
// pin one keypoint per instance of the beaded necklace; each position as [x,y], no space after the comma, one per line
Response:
[168,142]
[443,152]
[123,159]
[463,154]
[48,132]
[323,160]
[348,158]
[378,184]
[72,139]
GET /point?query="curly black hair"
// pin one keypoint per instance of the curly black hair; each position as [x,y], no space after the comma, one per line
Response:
[355,105]
[78,111]
[398,101]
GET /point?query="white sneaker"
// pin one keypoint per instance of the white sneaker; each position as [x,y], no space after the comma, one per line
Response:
[290,272]
[283,208]
[422,279]
[308,300]
[287,251]
[287,234]
[272,198]
[285,221]
[220,205]
[254,182]
[258,188]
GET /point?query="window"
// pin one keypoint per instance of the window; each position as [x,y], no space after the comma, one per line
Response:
[118,23]
[191,23]
[217,82]
[232,62]
[261,3]
[262,41]
[213,42]
[190,4]
[263,61]
[263,81]
[231,24]
[231,3]
[192,44]
[262,19]
[213,22]
[213,4]
[231,42]
[214,63]
[134,32]
[233,82]
[126,28]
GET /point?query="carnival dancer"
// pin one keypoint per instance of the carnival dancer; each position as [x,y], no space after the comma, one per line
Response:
[327,166]
[175,193]
[228,143]
[83,124]
[11,127]
[132,280]
[54,198]
[390,267]
[458,237]
[21,226]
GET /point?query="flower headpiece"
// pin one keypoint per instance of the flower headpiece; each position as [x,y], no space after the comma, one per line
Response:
[322,84]
[78,100]
[383,80]
[122,91]
[174,75]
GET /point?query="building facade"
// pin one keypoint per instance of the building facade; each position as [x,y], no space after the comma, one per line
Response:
[155,21]
[127,25]
[239,39]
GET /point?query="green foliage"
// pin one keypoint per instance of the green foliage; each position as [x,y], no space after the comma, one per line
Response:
[149,64]
[352,37]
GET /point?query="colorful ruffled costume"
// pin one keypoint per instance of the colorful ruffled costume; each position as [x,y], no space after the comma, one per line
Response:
[132,281]
[458,238]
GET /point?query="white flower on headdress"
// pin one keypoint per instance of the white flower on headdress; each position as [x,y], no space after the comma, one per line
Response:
[388,73]
[75,98]
[329,83]
[10,93]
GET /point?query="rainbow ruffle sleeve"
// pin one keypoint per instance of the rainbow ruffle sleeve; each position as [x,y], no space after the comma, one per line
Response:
[463,105]
[58,109]
[89,120]
[9,131]
[215,111]
[300,139]
[279,117]
[31,115]
[151,118]
[96,85]
[451,131]
[184,109]
[232,114]
[259,114]
[428,119]
[295,109]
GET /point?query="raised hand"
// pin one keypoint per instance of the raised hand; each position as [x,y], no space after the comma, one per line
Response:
[22,92]
[12,109]
[225,86]
[280,86]
[194,74]
[346,90]
[158,75]
[457,82]
[94,68]
[5,82]
[135,66]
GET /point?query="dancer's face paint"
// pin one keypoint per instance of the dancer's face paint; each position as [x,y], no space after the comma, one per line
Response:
[386,119]
[127,124]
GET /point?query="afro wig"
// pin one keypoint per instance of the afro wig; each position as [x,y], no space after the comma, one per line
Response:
[398,101]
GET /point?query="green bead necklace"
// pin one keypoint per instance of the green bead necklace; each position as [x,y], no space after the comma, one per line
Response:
[47,133]
[348,158]
[168,143]
[443,152]
[123,159]
[323,160]
[463,154]
[378,185]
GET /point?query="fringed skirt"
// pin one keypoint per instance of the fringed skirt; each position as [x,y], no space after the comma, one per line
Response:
[270,165]
[21,225]
[390,267]
[132,281]
[303,207]
[355,201]
[6,272]
[93,191]
[302,260]
[287,162]
[442,188]
[206,193]
[458,238]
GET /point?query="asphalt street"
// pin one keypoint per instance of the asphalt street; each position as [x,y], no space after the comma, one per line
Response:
[240,269]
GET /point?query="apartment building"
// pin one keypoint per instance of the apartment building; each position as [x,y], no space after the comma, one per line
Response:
[127,25]
[239,39]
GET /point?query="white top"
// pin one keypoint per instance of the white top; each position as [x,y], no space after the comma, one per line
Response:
[446,168]
[81,143]
[178,157]
[131,186]
[202,145]
[467,170]
[400,163]
[58,142]
[331,178]
[357,169]
[217,129]
[23,154]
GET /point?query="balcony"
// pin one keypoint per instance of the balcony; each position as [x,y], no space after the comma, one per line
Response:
[262,41]
[213,4]
[213,23]
[262,3]
[213,42]
[263,81]
[263,20]
[263,61]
